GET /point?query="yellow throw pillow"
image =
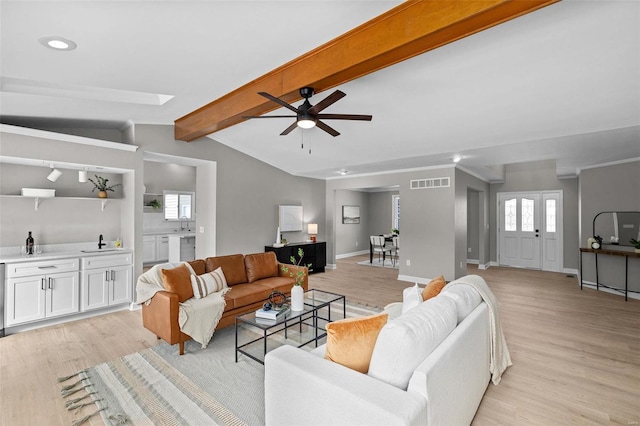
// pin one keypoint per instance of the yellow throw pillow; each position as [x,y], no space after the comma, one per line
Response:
[178,281]
[433,288]
[350,341]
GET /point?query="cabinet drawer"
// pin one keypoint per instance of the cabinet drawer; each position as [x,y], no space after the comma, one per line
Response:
[26,269]
[106,261]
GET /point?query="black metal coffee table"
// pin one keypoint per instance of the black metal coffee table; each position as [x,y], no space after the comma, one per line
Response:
[256,336]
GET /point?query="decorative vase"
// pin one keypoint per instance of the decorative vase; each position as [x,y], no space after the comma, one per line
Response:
[102,194]
[637,250]
[297,298]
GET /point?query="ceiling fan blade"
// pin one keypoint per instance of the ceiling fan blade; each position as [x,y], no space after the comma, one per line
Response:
[289,129]
[333,132]
[279,101]
[269,116]
[345,117]
[334,97]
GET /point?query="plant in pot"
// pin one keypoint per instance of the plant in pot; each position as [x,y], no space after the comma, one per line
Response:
[636,244]
[297,292]
[155,204]
[101,184]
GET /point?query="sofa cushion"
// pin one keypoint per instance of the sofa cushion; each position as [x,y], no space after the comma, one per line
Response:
[433,288]
[282,284]
[411,298]
[407,340]
[246,294]
[261,265]
[350,341]
[198,266]
[178,280]
[466,298]
[207,283]
[232,267]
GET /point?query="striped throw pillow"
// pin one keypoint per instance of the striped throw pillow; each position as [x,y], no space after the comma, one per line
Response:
[208,283]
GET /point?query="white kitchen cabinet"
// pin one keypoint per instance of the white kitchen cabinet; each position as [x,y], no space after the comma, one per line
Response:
[41,290]
[149,248]
[162,248]
[106,281]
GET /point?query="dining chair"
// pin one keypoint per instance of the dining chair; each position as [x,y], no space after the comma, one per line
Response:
[378,244]
[395,240]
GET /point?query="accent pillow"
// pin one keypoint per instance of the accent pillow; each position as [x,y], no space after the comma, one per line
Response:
[466,297]
[177,280]
[205,284]
[433,288]
[350,341]
[411,298]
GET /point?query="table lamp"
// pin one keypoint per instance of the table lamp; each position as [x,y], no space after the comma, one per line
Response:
[312,230]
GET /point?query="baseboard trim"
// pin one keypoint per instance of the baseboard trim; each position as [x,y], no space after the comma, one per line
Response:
[413,279]
[473,261]
[355,253]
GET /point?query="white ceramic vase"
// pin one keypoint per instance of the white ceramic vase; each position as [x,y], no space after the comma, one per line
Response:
[297,298]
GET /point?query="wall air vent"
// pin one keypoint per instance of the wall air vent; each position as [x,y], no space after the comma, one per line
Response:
[440,182]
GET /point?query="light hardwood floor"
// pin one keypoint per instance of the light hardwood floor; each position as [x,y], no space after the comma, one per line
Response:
[576,354]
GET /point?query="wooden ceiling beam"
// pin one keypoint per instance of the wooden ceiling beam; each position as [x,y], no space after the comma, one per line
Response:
[410,29]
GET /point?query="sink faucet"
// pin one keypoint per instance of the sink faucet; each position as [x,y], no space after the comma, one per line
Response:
[184,220]
[100,243]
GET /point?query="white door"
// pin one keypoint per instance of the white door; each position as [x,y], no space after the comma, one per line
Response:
[62,294]
[25,299]
[530,230]
[95,289]
[520,230]
[121,284]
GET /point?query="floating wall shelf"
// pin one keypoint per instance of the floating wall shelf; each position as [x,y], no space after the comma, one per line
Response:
[38,200]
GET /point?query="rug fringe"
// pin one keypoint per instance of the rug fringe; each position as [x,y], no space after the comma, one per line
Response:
[119,419]
[68,392]
[65,378]
[78,407]
[67,387]
[86,418]
[76,400]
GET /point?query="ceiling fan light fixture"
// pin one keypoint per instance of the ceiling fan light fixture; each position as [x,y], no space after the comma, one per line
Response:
[306,123]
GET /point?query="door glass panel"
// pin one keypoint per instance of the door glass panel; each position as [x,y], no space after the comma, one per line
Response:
[527,215]
[510,215]
[550,213]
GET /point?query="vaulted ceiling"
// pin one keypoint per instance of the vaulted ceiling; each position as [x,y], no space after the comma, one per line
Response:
[560,83]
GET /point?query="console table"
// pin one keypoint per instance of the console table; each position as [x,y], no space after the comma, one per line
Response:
[609,252]
[314,254]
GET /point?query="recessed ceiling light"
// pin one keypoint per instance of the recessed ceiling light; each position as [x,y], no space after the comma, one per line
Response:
[457,159]
[343,172]
[57,43]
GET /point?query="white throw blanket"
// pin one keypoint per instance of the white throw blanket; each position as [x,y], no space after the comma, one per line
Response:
[196,317]
[500,357]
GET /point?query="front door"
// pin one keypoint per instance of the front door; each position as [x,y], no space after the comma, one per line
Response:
[530,230]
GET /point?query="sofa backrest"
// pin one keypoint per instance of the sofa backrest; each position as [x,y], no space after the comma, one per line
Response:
[232,267]
[199,266]
[466,297]
[261,265]
[403,343]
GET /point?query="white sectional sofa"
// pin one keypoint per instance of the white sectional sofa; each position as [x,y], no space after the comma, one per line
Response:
[430,366]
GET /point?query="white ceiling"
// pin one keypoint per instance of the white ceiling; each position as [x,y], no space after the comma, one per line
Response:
[561,83]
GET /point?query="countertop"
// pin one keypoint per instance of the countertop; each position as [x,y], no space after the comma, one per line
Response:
[153,232]
[55,255]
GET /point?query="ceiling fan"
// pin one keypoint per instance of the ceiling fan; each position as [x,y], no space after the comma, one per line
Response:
[308,116]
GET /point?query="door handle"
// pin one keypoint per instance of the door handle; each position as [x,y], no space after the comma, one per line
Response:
[106,276]
[43,284]
[113,275]
[50,284]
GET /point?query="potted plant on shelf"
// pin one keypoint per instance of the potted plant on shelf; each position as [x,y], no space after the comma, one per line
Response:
[101,185]
[155,204]
[636,244]
[297,292]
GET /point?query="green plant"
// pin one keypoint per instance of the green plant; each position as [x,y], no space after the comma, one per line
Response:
[299,274]
[101,184]
[155,204]
[635,243]
[395,231]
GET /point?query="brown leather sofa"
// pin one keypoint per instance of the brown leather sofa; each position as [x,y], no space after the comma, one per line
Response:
[251,277]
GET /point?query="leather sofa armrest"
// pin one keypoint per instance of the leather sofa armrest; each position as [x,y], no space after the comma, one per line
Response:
[161,316]
[293,270]
[324,392]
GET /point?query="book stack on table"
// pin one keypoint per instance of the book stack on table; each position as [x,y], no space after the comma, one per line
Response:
[273,313]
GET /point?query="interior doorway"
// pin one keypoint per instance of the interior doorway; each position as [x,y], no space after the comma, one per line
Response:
[530,230]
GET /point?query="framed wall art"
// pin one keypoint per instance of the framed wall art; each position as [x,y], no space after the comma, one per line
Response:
[350,214]
[290,218]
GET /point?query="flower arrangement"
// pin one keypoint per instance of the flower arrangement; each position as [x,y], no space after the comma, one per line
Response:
[299,274]
[101,184]
[635,243]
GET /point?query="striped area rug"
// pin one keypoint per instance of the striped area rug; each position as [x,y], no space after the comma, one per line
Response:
[159,387]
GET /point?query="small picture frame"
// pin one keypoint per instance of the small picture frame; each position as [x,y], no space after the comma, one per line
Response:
[350,214]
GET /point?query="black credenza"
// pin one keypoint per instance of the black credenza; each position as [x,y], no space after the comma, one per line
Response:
[314,254]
